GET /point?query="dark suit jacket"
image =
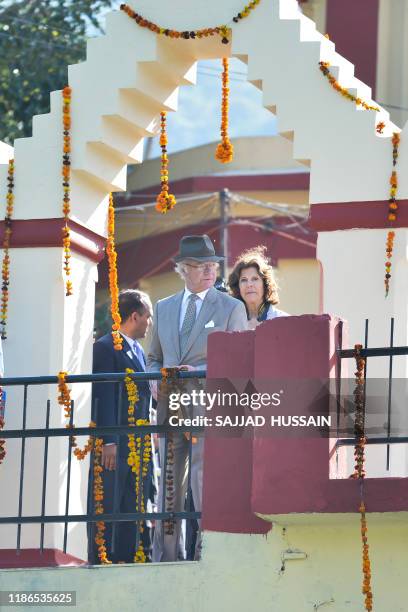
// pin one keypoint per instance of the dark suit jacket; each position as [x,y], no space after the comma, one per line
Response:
[112,402]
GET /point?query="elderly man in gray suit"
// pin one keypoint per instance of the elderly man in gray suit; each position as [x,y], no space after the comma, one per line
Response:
[181,326]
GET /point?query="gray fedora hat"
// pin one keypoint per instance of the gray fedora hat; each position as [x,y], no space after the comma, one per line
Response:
[199,248]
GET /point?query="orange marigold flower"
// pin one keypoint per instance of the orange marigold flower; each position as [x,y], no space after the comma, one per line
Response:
[396,138]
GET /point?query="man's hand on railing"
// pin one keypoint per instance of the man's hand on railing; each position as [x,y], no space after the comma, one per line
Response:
[186,368]
[108,459]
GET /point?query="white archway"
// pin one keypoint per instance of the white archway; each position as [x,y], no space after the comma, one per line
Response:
[130,75]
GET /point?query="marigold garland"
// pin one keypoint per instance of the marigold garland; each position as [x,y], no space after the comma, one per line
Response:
[64,399]
[324,67]
[379,128]
[6,245]
[392,210]
[98,494]
[135,458]
[95,444]
[222,30]
[225,150]
[392,201]
[359,472]
[169,524]
[165,200]
[66,184]
[2,423]
[113,277]
[169,384]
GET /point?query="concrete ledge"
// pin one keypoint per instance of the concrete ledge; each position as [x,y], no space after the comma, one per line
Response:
[315,519]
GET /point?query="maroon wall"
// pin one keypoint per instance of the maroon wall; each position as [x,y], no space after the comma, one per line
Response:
[351,215]
[353,26]
[228,461]
[281,474]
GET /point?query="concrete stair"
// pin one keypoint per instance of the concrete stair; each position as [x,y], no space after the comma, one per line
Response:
[282,49]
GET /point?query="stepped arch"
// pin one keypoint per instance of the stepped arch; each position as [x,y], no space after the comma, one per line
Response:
[128,77]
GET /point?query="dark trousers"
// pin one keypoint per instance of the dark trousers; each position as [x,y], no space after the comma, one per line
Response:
[125,532]
[191,529]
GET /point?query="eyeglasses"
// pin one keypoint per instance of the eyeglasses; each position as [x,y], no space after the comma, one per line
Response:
[209,265]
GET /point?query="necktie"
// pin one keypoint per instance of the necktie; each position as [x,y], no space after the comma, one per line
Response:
[188,322]
[138,351]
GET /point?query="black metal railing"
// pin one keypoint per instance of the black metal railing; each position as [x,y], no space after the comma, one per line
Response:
[368,353]
[24,433]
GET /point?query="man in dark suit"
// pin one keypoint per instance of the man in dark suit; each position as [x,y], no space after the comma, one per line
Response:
[111,409]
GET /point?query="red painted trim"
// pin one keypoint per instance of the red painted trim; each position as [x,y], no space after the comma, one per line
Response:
[334,496]
[353,26]
[349,215]
[290,181]
[32,557]
[29,233]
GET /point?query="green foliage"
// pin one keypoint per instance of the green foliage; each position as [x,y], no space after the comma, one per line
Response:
[103,319]
[38,40]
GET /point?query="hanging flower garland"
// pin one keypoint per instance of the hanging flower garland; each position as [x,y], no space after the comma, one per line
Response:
[225,150]
[396,138]
[64,397]
[359,419]
[2,442]
[392,211]
[379,128]
[98,494]
[6,245]
[169,384]
[165,200]
[359,471]
[64,400]
[366,588]
[95,444]
[223,31]
[2,423]
[113,277]
[66,184]
[135,457]
[324,67]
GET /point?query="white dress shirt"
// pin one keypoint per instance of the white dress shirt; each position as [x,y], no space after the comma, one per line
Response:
[136,347]
[184,304]
[273,313]
[129,340]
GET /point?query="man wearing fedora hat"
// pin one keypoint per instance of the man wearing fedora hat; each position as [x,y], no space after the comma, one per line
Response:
[181,326]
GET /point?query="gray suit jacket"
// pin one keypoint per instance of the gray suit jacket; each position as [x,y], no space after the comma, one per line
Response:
[227,314]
